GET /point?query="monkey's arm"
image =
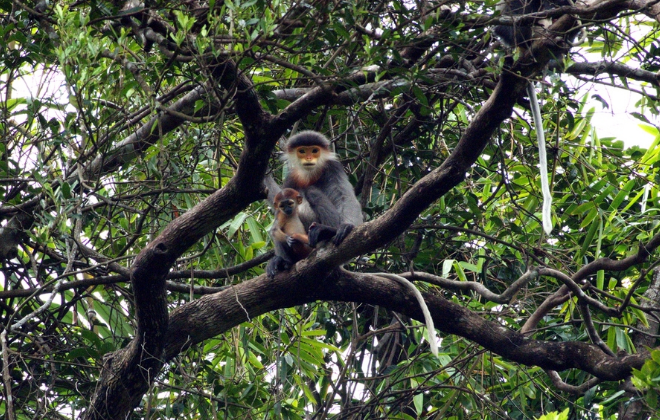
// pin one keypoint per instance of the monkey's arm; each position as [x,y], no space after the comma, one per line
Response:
[320,233]
[297,238]
[342,195]
[299,243]
[347,205]
[329,219]
[277,234]
[282,246]
[326,211]
[284,256]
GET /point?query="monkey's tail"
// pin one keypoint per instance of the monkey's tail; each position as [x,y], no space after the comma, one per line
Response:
[433,338]
[546,214]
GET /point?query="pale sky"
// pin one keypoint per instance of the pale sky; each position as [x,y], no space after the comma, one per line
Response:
[615,121]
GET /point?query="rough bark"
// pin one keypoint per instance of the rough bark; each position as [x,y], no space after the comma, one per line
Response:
[127,374]
[214,314]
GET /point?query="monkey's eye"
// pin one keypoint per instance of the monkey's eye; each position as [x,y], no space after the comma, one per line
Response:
[301,150]
[315,150]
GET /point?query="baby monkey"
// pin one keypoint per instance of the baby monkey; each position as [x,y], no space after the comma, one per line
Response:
[292,245]
[288,233]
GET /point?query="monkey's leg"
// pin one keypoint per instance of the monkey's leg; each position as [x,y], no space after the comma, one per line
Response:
[276,265]
[342,232]
[320,233]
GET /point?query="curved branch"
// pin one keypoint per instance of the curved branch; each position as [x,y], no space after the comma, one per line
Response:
[571,389]
[424,192]
[504,297]
[214,314]
[613,69]
[127,373]
[577,291]
[650,8]
[563,294]
[591,329]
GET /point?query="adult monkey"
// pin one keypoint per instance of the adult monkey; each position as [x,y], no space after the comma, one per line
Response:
[522,36]
[329,200]
[330,208]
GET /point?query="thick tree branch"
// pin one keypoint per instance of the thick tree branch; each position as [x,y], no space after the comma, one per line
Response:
[128,373]
[214,314]
[572,389]
[613,69]
[650,8]
[497,108]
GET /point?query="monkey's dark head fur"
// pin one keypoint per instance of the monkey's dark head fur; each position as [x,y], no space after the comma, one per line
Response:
[308,138]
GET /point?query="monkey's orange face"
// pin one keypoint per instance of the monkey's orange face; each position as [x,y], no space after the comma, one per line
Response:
[308,156]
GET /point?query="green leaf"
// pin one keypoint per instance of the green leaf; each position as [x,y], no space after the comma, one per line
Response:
[555,415]
[418,401]
[254,361]
[459,272]
[616,202]
[600,279]
[588,239]
[66,190]
[447,266]
[255,229]
[302,385]
[470,267]
[236,223]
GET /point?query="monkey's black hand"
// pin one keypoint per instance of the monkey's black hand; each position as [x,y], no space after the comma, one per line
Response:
[320,233]
[275,265]
[342,233]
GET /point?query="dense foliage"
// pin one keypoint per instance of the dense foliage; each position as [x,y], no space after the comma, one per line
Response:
[134,237]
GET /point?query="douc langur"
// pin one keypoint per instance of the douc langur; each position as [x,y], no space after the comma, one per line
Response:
[288,233]
[521,36]
[329,199]
[330,209]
